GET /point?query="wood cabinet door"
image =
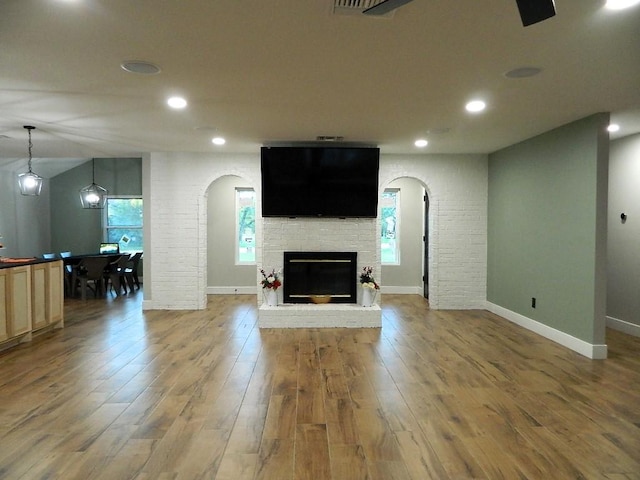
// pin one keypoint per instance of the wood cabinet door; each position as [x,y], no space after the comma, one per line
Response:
[39,295]
[19,314]
[56,292]
[4,304]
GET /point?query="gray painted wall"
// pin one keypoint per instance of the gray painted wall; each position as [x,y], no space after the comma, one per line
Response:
[623,297]
[221,229]
[547,228]
[24,221]
[74,228]
[409,272]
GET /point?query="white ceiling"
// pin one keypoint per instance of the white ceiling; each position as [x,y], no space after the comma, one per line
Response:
[256,71]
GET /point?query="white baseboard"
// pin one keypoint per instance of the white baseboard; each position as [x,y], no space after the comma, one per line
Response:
[183,305]
[232,290]
[623,326]
[595,352]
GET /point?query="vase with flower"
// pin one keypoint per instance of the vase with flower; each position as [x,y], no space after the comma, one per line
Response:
[369,287]
[270,283]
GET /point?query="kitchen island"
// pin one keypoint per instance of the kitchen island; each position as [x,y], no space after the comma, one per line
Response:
[31,298]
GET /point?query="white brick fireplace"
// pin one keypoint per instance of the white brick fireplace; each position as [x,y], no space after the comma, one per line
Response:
[320,235]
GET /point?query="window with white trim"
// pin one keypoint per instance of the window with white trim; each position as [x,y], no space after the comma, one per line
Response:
[245,226]
[123,222]
[389,226]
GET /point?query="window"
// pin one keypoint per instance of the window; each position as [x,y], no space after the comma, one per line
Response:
[123,223]
[245,225]
[390,213]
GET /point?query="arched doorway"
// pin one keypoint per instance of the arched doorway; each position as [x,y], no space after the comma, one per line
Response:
[404,239]
[231,238]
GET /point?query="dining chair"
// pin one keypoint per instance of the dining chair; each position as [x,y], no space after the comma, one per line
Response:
[115,274]
[131,271]
[68,272]
[91,274]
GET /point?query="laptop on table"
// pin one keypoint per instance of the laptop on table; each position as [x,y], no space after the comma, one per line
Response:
[109,248]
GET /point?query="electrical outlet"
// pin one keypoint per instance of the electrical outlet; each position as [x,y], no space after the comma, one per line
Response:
[533,302]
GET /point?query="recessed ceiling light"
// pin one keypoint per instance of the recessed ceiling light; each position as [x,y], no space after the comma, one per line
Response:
[523,72]
[141,67]
[614,127]
[620,4]
[177,102]
[218,141]
[475,106]
[421,143]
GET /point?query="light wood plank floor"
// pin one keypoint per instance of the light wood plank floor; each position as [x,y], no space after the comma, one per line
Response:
[122,394]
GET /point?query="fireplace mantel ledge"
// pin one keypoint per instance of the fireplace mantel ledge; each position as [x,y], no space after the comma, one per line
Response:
[318,306]
[330,315]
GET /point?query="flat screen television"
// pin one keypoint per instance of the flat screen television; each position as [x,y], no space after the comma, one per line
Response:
[319,181]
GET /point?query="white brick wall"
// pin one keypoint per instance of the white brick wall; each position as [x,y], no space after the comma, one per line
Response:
[320,316]
[320,235]
[457,186]
[175,247]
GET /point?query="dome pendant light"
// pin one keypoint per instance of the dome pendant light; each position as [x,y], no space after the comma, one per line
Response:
[93,196]
[30,183]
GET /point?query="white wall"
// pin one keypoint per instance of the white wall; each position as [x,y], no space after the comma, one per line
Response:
[175,191]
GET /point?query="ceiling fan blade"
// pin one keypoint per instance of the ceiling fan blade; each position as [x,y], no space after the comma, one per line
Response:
[534,11]
[385,7]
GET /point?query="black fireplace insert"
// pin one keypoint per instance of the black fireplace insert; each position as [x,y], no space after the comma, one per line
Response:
[307,274]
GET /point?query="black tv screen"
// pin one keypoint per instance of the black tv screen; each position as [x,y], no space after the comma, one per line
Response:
[320,181]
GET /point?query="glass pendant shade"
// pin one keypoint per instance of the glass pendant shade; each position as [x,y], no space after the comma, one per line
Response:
[93,196]
[29,182]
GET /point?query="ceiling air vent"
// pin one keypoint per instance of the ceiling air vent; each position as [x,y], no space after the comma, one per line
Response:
[354,7]
[329,138]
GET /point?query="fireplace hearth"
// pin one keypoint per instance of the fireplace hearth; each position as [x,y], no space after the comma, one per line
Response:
[320,273]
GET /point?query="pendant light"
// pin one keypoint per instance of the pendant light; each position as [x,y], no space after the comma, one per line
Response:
[29,182]
[93,196]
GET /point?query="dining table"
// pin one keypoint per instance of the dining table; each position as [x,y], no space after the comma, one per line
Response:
[73,264]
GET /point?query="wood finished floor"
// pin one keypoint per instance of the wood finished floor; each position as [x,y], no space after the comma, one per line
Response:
[122,394]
